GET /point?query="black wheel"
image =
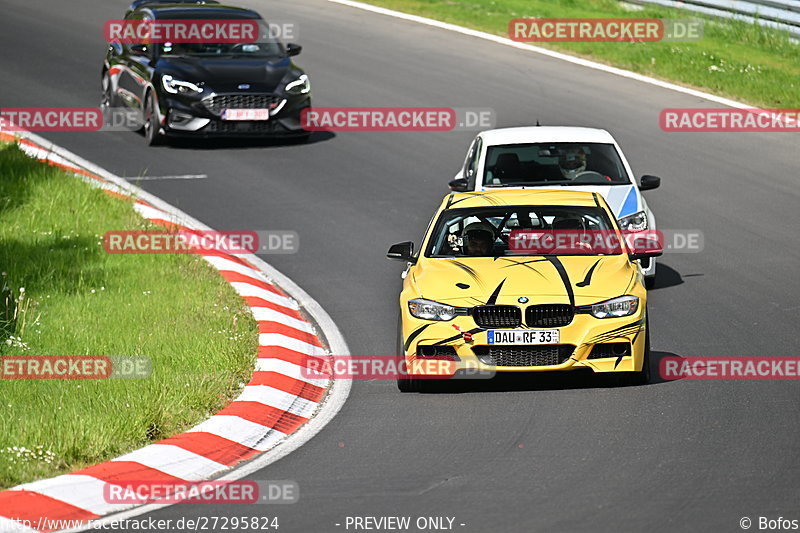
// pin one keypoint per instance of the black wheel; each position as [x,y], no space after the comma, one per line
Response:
[404,383]
[650,282]
[643,376]
[152,133]
[107,98]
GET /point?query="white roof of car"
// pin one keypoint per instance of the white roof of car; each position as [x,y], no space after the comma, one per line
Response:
[539,134]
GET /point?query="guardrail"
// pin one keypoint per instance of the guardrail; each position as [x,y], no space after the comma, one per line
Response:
[780,14]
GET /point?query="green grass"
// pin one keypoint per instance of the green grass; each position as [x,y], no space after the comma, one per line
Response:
[735,59]
[79,300]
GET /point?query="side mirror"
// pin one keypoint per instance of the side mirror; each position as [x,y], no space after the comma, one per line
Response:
[459,185]
[649,182]
[402,251]
[293,49]
[644,255]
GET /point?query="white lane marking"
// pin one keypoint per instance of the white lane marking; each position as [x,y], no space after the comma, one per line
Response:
[276,339]
[246,289]
[278,399]
[270,364]
[543,51]
[263,314]
[174,461]
[84,492]
[240,430]
[177,177]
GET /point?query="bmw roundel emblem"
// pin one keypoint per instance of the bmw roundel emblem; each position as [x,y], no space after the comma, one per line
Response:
[522,300]
[244,86]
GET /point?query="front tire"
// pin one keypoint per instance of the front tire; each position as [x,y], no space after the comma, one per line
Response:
[404,382]
[152,127]
[108,100]
[643,376]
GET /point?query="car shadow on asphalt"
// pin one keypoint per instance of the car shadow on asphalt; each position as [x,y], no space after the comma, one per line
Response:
[242,143]
[666,277]
[544,381]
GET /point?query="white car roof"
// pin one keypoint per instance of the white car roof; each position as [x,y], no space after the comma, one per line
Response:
[538,134]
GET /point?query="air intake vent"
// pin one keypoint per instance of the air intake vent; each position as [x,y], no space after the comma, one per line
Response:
[542,355]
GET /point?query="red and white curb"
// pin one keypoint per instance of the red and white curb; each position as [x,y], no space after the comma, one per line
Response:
[278,410]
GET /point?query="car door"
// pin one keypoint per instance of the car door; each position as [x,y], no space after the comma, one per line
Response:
[135,68]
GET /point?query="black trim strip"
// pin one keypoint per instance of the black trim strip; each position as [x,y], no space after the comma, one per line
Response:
[618,332]
[526,265]
[468,269]
[414,335]
[588,277]
[493,298]
[559,266]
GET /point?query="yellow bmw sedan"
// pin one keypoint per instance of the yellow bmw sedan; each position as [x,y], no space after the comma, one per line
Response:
[515,281]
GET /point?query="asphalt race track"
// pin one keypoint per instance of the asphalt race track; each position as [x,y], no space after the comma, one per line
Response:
[566,456]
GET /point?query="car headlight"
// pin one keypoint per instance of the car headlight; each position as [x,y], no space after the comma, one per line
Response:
[634,222]
[615,308]
[301,85]
[173,86]
[430,310]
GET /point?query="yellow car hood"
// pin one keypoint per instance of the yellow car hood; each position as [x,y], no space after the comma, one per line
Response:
[470,281]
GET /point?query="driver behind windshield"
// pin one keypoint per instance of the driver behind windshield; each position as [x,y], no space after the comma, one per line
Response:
[572,162]
[477,240]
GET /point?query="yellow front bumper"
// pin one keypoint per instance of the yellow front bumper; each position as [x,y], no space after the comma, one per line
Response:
[583,333]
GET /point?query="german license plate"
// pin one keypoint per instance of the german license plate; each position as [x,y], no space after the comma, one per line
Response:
[523,336]
[245,114]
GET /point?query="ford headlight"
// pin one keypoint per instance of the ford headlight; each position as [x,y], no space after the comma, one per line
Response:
[615,308]
[301,85]
[634,222]
[173,86]
[430,310]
